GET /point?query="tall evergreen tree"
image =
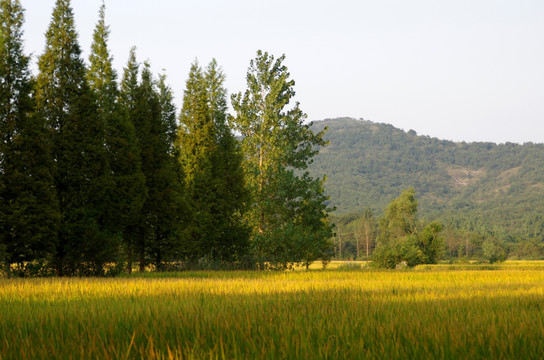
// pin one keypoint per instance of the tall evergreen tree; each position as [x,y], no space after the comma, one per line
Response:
[82,178]
[166,204]
[128,101]
[129,83]
[229,185]
[168,112]
[211,161]
[196,146]
[28,204]
[288,213]
[127,195]
[158,234]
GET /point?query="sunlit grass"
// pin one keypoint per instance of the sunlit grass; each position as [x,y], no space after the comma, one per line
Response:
[430,313]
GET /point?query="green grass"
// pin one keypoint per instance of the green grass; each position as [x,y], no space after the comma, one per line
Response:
[430,313]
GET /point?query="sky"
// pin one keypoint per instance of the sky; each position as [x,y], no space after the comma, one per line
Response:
[462,70]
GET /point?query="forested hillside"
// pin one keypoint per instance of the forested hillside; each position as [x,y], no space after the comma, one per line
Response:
[469,185]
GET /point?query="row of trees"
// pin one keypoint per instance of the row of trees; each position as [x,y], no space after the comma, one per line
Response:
[96,173]
[400,237]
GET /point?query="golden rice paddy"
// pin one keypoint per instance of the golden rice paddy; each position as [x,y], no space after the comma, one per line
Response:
[427,313]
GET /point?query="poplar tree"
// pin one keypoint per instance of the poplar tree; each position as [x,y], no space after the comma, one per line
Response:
[211,163]
[128,191]
[28,204]
[287,213]
[81,171]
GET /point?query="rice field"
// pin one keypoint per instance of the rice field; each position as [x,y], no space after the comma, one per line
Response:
[425,313]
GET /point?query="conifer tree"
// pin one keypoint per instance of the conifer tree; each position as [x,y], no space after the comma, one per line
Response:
[168,112]
[81,171]
[128,100]
[196,146]
[288,213]
[127,195]
[211,162]
[229,183]
[157,235]
[28,204]
[166,204]
[129,83]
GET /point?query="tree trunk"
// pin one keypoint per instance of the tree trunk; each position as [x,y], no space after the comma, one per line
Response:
[129,259]
[357,247]
[340,241]
[261,183]
[142,260]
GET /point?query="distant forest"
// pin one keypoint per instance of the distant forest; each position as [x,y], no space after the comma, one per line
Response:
[478,191]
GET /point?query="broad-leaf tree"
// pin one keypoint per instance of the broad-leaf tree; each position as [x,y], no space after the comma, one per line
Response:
[288,212]
[405,240]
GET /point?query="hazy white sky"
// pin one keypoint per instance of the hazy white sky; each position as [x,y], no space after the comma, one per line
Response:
[469,70]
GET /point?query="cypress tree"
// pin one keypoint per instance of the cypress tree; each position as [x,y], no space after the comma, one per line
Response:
[28,204]
[169,204]
[128,191]
[168,113]
[211,162]
[157,235]
[287,212]
[81,173]
[135,233]
[232,195]
[196,145]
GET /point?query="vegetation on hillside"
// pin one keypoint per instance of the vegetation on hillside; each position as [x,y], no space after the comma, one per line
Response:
[479,191]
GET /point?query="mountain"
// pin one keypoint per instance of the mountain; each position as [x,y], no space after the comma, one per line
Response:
[368,164]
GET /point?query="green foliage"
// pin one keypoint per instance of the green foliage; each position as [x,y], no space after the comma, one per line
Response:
[278,148]
[28,205]
[212,166]
[431,242]
[493,251]
[127,193]
[400,216]
[81,173]
[403,240]
[474,189]
[365,233]
[157,236]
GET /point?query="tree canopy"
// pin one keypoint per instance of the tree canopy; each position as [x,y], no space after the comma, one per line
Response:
[287,213]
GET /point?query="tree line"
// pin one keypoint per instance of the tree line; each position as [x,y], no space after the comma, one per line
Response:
[401,237]
[100,174]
